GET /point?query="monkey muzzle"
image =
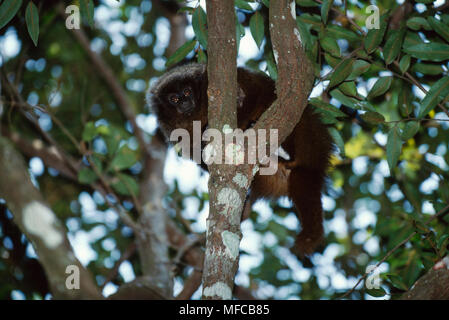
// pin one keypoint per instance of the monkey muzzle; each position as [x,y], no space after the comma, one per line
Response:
[186,107]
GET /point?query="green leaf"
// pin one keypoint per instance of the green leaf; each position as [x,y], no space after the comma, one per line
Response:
[330,45]
[304,32]
[349,88]
[442,240]
[240,32]
[374,36]
[271,66]
[181,53]
[438,92]
[8,10]
[186,9]
[410,129]
[87,10]
[332,61]
[325,8]
[327,118]
[32,21]
[96,160]
[417,23]
[242,4]
[307,3]
[124,159]
[199,25]
[380,87]
[397,282]
[314,21]
[394,146]
[338,32]
[125,185]
[439,27]
[347,101]
[86,176]
[338,140]
[341,72]
[373,117]
[112,138]
[279,230]
[376,292]
[358,68]
[404,64]
[429,51]
[327,108]
[393,45]
[412,271]
[445,18]
[202,58]
[89,132]
[426,68]
[266,3]
[404,101]
[256,27]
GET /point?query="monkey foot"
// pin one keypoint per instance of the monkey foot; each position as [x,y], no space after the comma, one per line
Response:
[305,245]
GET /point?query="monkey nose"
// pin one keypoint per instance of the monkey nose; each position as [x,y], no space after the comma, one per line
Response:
[186,106]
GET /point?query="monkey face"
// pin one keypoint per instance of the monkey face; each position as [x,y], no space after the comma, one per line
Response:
[182,89]
[183,99]
[179,97]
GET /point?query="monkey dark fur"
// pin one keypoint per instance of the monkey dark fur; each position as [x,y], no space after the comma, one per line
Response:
[180,97]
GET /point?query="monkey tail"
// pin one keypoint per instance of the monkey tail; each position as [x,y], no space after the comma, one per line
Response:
[305,186]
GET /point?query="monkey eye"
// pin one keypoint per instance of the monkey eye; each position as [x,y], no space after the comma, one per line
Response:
[187,92]
[174,98]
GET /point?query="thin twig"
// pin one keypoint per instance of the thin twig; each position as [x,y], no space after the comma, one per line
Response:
[389,253]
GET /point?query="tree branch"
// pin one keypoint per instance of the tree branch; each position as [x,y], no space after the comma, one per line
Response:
[434,285]
[41,226]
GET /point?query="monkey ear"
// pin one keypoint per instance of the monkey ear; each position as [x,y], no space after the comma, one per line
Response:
[240,97]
